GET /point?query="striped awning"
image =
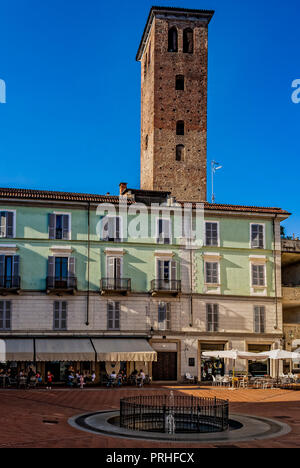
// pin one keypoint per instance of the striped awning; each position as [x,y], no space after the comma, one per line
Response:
[127,349]
[17,349]
[63,349]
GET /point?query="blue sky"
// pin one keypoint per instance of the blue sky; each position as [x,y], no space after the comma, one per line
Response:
[72,117]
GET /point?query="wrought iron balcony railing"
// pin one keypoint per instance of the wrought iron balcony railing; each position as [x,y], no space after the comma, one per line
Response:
[11,283]
[122,285]
[61,284]
[167,286]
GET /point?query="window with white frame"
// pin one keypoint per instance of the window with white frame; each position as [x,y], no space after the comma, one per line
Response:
[163,231]
[114,267]
[212,317]
[5,315]
[257,236]
[166,270]
[164,316]
[60,226]
[113,315]
[60,315]
[259,319]
[258,275]
[212,272]
[112,229]
[211,234]
[7,223]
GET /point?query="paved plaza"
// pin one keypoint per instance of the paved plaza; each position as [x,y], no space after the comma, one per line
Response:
[39,418]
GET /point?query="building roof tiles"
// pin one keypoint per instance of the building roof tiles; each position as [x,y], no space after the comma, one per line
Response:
[28,194]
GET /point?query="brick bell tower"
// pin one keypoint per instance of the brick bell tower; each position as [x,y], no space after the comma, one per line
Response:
[173,55]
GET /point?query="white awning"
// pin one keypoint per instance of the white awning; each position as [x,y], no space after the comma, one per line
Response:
[235,354]
[63,349]
[130,349]
[18,350]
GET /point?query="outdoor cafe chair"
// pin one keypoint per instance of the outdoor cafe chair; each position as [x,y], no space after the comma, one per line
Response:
[23,382]
[244,383]
[226,381]
[189,378]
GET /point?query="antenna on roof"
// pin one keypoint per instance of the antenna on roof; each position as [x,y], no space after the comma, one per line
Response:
[215,166]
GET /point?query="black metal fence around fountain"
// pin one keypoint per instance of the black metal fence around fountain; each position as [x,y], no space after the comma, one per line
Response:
[174,414]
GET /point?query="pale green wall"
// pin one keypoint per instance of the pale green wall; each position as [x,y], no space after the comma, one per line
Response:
[139,260]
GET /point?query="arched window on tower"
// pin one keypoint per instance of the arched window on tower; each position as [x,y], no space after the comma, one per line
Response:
[173,40]
[180,152]
[188,41]
[179,83]
[180,127]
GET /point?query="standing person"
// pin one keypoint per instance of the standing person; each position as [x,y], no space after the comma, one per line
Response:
[77,377]
[93,376]
[71,379]
[142,378]
[49,380]
[38,378]
[30,376]
[81,381]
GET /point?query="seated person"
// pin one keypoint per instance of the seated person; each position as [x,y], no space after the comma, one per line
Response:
[112,379]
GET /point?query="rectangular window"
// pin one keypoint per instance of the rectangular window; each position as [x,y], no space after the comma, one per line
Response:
[167,270]
[9,271]
[212,234]
[61,268]
[164,316]
[258,275]
[7,224]
[212,272]
[60,315]
[212,317]
[60,226]
[113,316]
[114,267]
[164,231]
[259,319]
[111,229]
[257,236]
[62,272]
[179,83]
[5,315]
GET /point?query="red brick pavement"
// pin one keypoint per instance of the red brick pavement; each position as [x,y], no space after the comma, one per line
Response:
[24,416]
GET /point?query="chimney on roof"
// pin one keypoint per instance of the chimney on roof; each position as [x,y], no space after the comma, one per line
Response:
[123,187]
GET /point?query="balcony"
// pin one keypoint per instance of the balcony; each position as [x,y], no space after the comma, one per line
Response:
[163,287]
[61,285]
[115,286]
[10,285]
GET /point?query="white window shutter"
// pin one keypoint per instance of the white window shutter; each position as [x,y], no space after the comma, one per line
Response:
[110,267]
[2,224]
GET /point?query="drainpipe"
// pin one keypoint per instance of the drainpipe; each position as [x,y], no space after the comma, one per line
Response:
[88,272]
[275,271]
[191,286]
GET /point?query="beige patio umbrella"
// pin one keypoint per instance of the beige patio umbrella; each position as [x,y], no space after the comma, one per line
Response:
[235,354]
[280,355]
